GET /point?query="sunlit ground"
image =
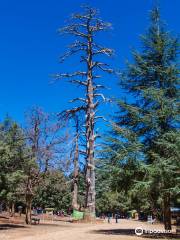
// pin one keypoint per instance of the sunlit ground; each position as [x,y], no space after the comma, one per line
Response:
[60,229]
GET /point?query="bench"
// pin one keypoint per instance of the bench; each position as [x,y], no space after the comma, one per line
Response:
[35,220]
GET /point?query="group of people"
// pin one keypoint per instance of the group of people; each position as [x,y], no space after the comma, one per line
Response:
[111,216]
[116,217]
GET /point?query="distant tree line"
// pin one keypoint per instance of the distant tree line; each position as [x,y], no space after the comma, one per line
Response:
[31,173]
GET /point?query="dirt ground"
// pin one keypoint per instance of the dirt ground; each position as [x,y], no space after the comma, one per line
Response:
[61,230]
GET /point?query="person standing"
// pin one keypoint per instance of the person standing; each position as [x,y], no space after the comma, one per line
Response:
[116,217]
[109,218]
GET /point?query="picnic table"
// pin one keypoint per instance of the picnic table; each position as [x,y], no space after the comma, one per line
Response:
[35,220]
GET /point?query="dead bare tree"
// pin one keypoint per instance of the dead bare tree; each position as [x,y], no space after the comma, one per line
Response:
[45,141]
[76,165]
[76,117]
[85,27]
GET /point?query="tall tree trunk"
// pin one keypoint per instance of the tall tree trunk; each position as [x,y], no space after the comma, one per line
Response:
[8,208]
[88,25]
[29,197]
[90,164]
[167,211]
[28,208]
[12,209]
[76,171]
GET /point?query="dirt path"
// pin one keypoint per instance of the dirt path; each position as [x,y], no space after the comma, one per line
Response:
[125,230]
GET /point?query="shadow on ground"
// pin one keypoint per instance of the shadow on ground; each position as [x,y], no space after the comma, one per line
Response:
[6,226]
[162,236]
[50,225]
[4,217]
[114,231]
[131,232]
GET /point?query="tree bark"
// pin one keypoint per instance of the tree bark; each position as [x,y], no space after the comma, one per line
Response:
[12,209]
[28,209]
[29,197]
[84,28]
[8,208]
[90,112]
[167,211]
[76,170]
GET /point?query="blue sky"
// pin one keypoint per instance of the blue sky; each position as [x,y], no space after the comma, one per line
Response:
[30,47]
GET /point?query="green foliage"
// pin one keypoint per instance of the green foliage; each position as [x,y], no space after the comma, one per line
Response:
[53,191]
[17,166]
[139,164]
[142,153]
[112,202]
[11,160]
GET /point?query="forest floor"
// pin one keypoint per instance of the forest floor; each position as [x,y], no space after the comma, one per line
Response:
[64,230]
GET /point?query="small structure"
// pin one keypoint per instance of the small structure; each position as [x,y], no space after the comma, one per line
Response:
[50,213]
[77,215]
[132,214]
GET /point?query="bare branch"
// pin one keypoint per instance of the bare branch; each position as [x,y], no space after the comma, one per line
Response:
[70,75]
[72,29]
[98,86]
[101,117]
[72,111]
[106,51]
[100,95]
[83,152]
[100,26]
[103,97]
[78,82]
[90,13]
[70,53]
[101,66]
[74,48]
[78,99]
[78,44]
